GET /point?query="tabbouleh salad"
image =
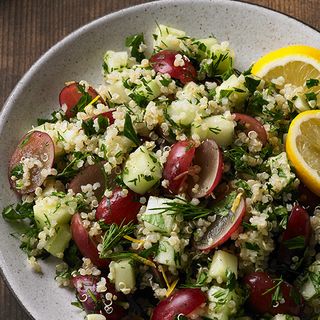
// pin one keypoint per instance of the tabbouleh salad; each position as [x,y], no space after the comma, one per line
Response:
[167,193]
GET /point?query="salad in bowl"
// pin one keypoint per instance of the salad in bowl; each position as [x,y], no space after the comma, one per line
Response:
[181,188]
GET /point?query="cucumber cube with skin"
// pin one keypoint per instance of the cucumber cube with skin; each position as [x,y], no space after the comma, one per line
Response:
[150,90]
[167,38]
[116,92]
[124,276]
[56,208]
[234,90]
[142,170]
[60,241]
[310,288]
[215,127]
[223,261]
[115,60]
[166,253]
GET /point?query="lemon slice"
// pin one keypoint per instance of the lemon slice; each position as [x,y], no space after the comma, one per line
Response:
[303,148]
[297,65]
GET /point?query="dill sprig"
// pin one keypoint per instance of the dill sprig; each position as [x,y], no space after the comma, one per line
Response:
[191,211]
[113,235]
[187,209]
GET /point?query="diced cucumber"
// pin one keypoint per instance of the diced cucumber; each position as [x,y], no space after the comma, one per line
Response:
[182,112]
[150,90]
[215,127]
[223,261]
[219,59]
[53,209]
[167,38]
[60,241]
[124,276]
[300,103]
[142,170]
[234,89]
[220,306]
[115,60]
[157,217]
[166,254]
[117,93]
[311,288]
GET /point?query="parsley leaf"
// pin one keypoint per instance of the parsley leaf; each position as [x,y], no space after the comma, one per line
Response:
[312,83]
[252,83]
[134,43]
[129,131]
[21,211]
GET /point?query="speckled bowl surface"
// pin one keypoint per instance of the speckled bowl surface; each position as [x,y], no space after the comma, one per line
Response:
[251,30]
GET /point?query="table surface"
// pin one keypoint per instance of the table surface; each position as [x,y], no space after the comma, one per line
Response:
[29,28]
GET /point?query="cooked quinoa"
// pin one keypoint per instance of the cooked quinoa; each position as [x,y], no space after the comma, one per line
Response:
[134,222]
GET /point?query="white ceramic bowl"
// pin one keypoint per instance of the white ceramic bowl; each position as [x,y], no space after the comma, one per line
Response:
[251,30]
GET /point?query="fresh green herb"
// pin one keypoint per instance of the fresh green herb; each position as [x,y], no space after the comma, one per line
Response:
[312,83]
[129,131]
[311,96]
[295,243]
[315,279]
[71,168]
[276,291]
[251,246]
[296,297]
[252,83]
[165,82]
[215,130]
[134,42]
[225,93]
[140,99]
[237,155]
[83,101]
[281,213]
[146,253]
[231,280]
[77,304]
[72,256]
[245,186]
[256,103]
[55,117]
[21,211]
[249,226]
[25,140]
[192,212]
[112,237]
[88,127]
[17,171]
[248,71]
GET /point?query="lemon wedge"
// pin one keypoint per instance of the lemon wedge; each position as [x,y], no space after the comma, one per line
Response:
[303,148]
[297,65]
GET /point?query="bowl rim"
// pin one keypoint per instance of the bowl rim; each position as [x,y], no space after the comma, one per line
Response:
[23,81]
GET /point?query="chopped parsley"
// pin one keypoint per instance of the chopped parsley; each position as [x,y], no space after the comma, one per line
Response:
[129,131]
[312,83]
[134,42]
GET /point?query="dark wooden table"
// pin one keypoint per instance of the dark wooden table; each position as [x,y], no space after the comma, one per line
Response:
[28,28]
